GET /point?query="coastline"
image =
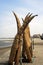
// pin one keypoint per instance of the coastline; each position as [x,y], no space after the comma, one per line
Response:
[4,54]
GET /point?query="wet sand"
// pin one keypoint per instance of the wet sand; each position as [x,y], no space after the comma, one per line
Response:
[4,54]
[37,53]
[36,60]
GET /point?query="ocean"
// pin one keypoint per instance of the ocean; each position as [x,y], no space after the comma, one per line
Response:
[4,43]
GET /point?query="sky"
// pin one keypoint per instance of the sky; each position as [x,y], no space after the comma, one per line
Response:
[8,26]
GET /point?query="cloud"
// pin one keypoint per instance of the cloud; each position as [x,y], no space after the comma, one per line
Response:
[8,26]
[36,25]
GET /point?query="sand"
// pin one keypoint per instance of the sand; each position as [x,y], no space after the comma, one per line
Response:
[37,55]
[4,54]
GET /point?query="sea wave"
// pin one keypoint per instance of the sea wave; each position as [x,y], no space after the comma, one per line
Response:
[5,44]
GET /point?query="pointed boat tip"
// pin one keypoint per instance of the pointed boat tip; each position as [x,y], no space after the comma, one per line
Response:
[36,15]
[13,12]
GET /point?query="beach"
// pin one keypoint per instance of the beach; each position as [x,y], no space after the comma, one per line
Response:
[37,54]
[4,54]
[36,60]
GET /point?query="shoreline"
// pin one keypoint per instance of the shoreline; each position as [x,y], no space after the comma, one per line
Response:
[5,47]
[37,55]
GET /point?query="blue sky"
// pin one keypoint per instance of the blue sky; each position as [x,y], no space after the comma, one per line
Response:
[8,26]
